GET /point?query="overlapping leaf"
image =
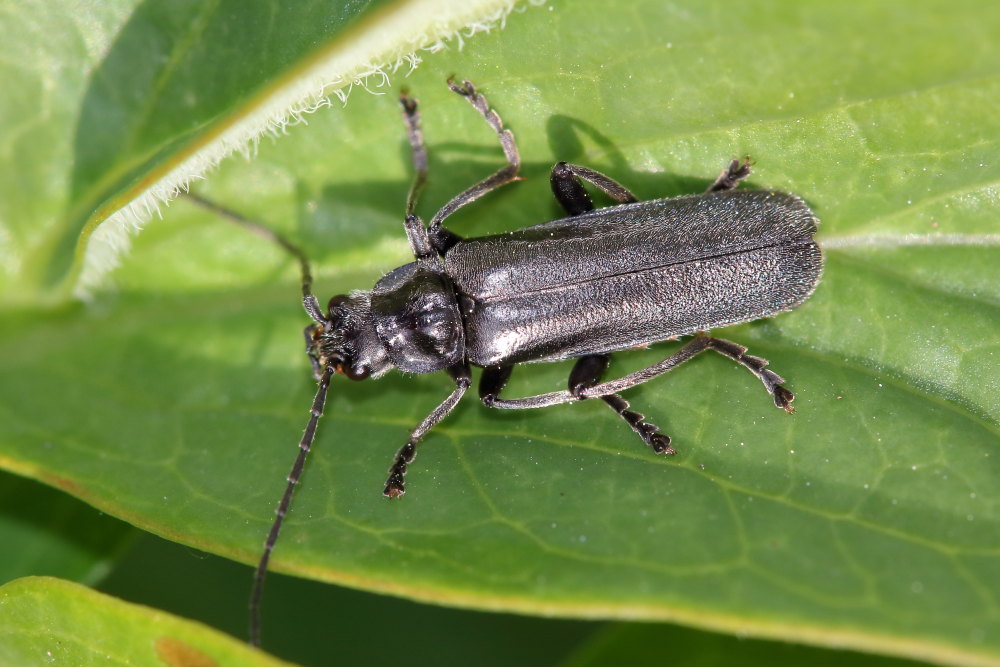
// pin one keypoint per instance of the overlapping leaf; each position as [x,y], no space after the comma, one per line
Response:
[46,620]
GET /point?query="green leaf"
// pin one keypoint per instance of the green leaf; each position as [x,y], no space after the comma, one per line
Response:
[868,520]
[47,532]
[131,101]
[46,620]
[642,644]
[313,624]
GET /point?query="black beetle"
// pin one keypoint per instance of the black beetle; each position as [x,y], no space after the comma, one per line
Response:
[582,287]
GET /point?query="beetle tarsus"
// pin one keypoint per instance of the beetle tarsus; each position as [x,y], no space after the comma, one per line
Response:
[661,444]
[409,103]
[650,433]
[783,399]
[394,485]
[758,366]
[465,89]
[731,176]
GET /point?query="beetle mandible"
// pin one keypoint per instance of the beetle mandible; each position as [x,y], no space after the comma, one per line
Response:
[582,287]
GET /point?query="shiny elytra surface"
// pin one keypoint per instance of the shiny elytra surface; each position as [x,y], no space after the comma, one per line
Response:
[633,274]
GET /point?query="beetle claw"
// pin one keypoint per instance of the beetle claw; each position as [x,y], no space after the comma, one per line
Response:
[783,399]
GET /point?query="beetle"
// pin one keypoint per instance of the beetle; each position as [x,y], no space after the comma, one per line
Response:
[582,287]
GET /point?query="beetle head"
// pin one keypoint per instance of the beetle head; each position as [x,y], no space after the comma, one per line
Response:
[345,337]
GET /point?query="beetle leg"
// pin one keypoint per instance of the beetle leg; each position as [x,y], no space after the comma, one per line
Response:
[731,176]
[311,351]
[587,372]
[503,176]
[650,433]
[417,149]
[530,402]
[565,180]
[420,240]
[692,349]
[491,382]
[394,485]
[772,381]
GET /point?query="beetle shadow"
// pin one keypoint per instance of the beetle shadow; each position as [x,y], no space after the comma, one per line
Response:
[330,220]
[574,140]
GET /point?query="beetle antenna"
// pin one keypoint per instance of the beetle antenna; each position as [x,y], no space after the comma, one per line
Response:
[305,444]
[309,301]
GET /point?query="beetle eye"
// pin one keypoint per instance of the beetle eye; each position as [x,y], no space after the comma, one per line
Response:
[335,304]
